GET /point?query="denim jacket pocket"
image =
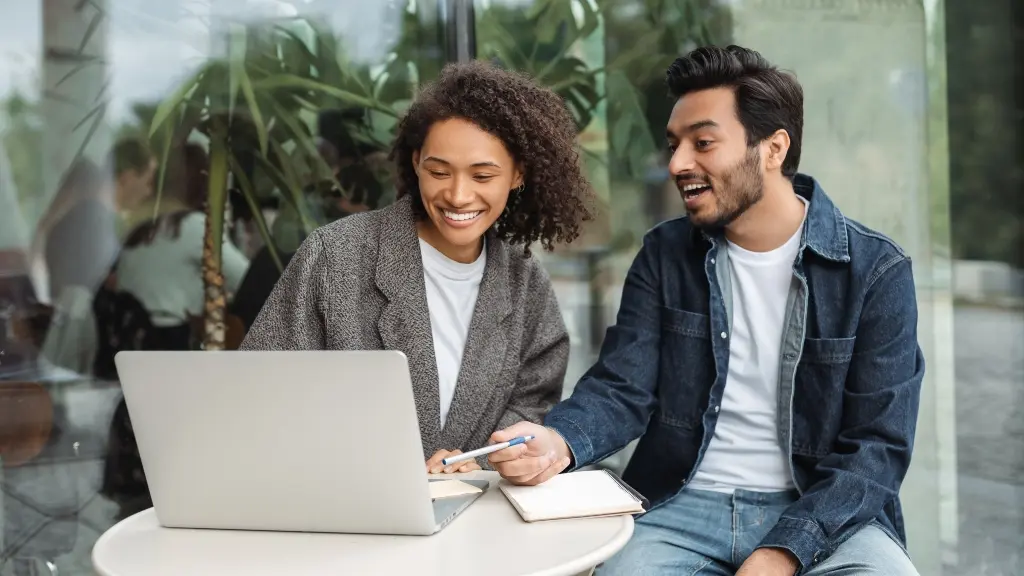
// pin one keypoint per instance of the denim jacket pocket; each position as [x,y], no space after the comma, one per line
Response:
[685,323]
[818,394]
[686,367]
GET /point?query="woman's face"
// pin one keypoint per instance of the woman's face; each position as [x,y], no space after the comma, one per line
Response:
[465,175]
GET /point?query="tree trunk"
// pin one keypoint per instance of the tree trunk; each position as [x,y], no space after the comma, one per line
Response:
[215,304]
[213,289]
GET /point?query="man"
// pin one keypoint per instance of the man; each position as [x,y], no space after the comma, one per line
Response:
[765,352]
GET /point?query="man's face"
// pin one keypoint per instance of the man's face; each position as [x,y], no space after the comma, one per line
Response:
[134,186]
[717,174]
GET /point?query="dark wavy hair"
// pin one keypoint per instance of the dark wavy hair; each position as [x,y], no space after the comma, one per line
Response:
[538,131]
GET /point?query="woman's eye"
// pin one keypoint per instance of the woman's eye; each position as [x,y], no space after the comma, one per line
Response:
[437,174]
[483,177]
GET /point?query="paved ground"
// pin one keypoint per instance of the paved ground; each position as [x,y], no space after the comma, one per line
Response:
[989,347]
[990,414]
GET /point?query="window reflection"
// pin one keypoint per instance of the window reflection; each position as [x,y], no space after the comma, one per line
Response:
[159,164]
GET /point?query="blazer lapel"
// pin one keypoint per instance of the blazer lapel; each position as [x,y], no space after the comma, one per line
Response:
[484,355]
[405,320]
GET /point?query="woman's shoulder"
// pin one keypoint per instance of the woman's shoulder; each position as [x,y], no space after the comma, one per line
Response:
[345,245]
[360,227]
[525,271]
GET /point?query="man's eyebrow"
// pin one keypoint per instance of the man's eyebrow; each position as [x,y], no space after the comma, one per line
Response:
[694,127]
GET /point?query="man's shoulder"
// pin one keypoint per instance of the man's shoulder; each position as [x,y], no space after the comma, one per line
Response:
[678,231]
[871,251]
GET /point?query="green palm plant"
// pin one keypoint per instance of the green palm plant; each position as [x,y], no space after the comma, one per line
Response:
[255,106]
[638,38]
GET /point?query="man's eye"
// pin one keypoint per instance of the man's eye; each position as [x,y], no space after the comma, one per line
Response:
[702,144]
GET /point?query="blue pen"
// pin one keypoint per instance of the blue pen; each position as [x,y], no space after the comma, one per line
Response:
[485,450]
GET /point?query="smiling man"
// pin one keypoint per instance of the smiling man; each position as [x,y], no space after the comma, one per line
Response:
[765,353]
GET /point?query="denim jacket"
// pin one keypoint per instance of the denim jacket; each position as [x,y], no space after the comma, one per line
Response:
[849,381]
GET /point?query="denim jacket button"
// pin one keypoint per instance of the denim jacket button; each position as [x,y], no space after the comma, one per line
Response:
[717,408]
[724,335]
[712,260]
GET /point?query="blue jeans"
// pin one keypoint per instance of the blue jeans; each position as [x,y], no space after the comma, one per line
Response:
[699,532]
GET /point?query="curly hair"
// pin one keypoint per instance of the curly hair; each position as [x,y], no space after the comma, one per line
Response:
[537,130]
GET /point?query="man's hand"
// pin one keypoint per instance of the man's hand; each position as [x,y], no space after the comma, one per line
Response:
[434,465]
[534,462]
[769,562]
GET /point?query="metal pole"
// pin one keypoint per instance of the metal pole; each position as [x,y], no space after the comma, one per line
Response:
[460,30]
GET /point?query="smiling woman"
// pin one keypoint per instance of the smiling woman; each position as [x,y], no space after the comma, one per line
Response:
[465,176]
[481,140]
[487,166]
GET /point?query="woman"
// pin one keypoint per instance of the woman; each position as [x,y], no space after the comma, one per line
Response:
[487,165]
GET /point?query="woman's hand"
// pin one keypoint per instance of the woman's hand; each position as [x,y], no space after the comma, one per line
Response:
[434,465]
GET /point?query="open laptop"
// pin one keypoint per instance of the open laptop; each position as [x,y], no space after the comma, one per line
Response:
[312,441]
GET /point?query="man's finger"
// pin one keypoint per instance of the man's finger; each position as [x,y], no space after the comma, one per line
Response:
[544,475]
[524,467]
[554,470]
[511,453]
[517,429]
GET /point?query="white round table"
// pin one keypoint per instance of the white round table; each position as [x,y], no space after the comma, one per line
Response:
[488,538]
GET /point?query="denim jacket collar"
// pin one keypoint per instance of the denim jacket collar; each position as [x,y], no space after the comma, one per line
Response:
[825,227]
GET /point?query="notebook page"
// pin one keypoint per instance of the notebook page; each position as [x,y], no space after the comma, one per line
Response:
[583,493]
[451,488]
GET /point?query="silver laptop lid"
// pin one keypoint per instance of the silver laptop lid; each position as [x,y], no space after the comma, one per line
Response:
[323,441]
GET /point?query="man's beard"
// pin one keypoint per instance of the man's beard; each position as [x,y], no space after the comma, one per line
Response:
[737,190]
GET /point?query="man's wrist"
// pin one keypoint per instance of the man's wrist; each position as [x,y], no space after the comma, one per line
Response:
[561,446]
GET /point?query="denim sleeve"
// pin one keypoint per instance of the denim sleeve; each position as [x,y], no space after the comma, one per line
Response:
[613,401]
[880,404]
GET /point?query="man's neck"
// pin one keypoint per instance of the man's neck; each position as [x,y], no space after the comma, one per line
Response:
[771,222]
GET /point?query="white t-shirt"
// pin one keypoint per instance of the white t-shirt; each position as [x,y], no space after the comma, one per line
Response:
[452,288]
[744,452]
[166,275]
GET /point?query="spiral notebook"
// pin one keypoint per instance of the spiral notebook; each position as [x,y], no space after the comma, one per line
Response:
[581,494]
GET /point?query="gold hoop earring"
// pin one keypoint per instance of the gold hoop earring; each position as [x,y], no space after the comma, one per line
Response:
[518,189]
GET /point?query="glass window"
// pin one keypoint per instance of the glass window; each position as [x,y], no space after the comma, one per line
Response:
[127,126]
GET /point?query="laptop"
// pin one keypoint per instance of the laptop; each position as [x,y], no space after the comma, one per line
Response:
[310,441]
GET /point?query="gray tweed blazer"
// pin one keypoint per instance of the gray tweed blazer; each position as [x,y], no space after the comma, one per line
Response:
[357,284]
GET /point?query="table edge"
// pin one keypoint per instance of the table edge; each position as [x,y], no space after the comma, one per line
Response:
[571,568]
